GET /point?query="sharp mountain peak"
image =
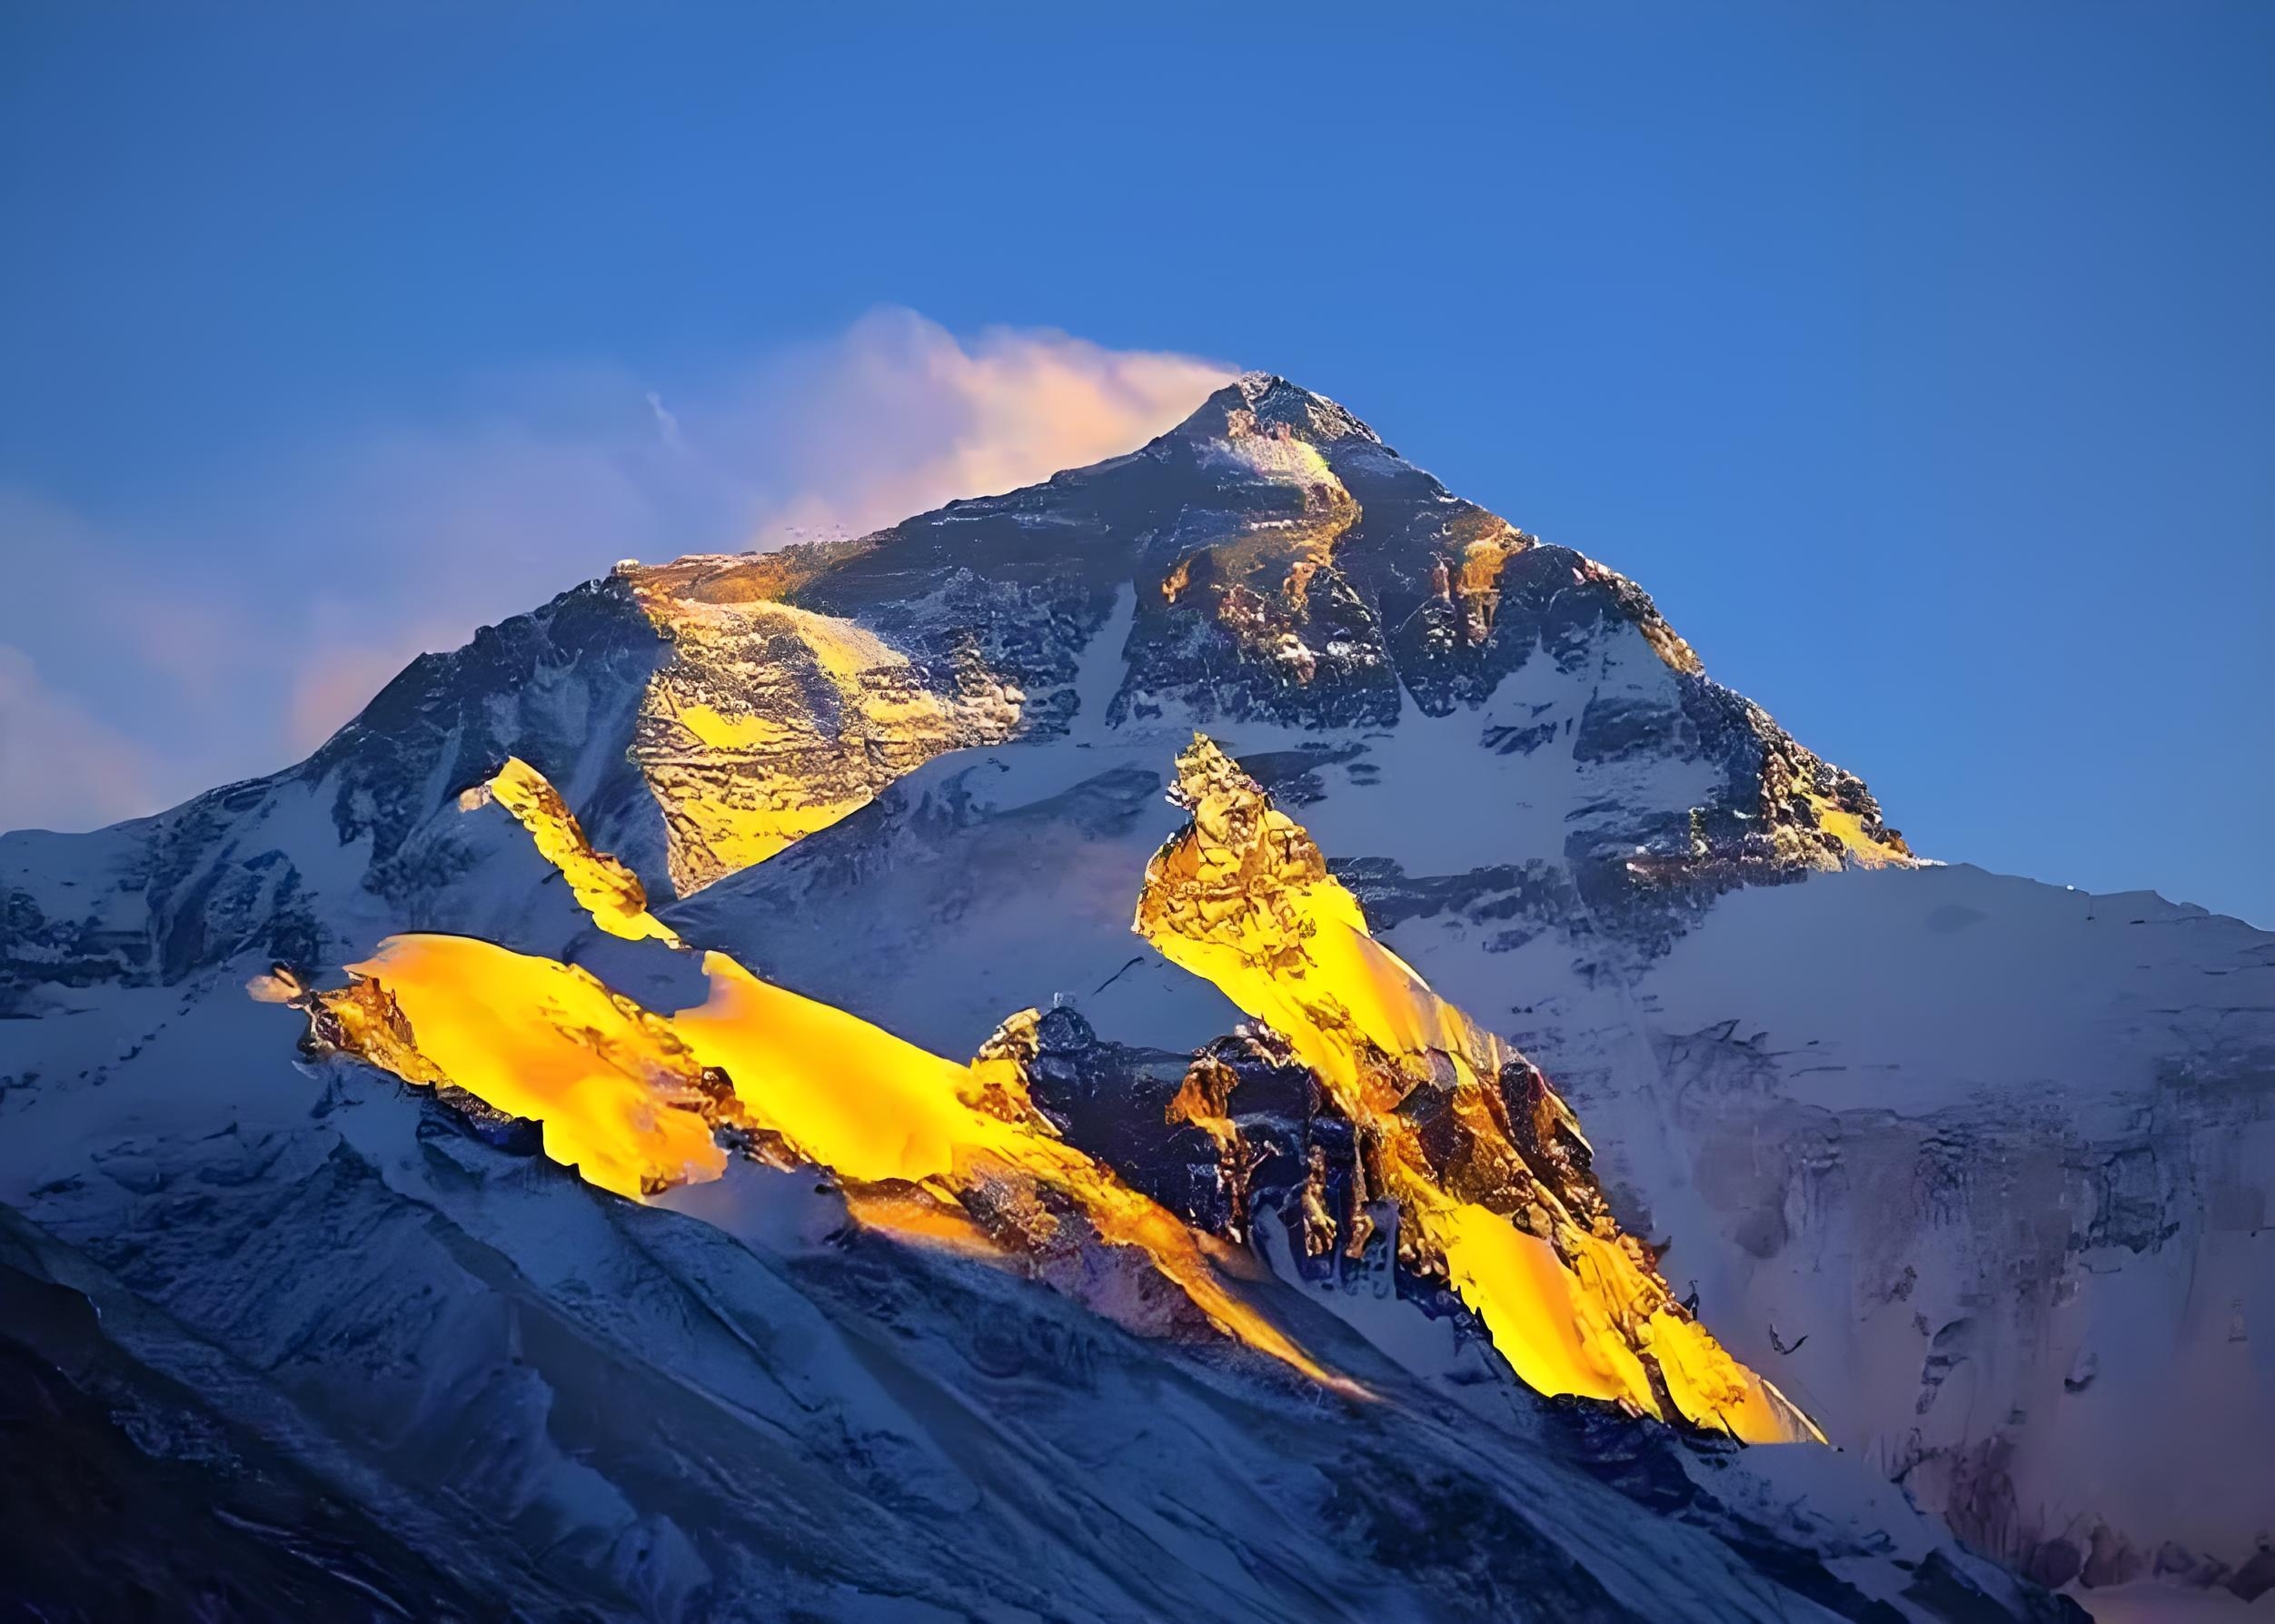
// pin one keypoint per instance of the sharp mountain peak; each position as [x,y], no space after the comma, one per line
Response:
[1269,403]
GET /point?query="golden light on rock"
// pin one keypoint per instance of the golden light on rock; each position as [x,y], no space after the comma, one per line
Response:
[618,1094]
[604,887]
[957,1155]
[769,722]
[1242,897]
[631,1097]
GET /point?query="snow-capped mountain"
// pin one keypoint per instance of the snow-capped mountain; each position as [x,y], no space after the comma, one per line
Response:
[1974,1169]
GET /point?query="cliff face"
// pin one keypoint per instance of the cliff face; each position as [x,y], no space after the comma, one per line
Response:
[1484,1163]
[1969,1171]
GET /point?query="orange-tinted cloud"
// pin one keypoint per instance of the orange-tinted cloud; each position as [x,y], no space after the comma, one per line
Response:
[899,416]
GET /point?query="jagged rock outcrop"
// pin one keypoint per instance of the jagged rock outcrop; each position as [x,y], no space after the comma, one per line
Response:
[1486,1164]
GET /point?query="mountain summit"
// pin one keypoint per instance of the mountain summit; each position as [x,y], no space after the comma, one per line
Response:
[1268,403]
[1480,912]
[1277,565]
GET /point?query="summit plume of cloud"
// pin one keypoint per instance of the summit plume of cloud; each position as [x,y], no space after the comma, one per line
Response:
[899,416]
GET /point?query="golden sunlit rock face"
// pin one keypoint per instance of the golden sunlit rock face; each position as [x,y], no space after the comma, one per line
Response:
[1481,545]
[618,1093]
[1257,583]
[604,887]
[772,721]
[1824,816]
[640,1102]
[1486,1164]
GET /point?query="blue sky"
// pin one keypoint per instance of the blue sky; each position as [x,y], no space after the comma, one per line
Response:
[1920,359]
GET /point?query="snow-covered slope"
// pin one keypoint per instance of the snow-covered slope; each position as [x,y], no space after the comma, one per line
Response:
[2002,1166]
[1999,1151]
[551,1401]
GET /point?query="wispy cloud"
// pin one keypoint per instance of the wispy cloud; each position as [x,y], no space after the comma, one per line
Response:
[899,416]
[232,628]
[61,768]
